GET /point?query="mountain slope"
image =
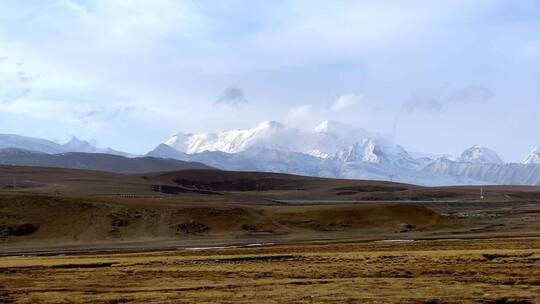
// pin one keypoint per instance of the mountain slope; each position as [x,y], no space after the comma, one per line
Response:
[94,161]
[329,150]
[50,147]
[77,145]
[165,151]
[29,143]
[501,174]
[329,140]
[338,150]
[268,134]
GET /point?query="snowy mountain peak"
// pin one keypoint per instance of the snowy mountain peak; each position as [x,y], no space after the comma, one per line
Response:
[265,135]
[179,141]
[329,140]
[480,155]
[367,151]
[274,125]
[333,149]
[533,158]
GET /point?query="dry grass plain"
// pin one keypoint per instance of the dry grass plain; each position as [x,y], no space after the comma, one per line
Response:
[436,271]
[75,236]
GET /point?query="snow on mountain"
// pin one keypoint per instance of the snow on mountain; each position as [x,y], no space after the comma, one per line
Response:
[269,134]
[485,173]
[431,156]
[338,150]
[339,133]
[331,149]
[377,151]
[533,158]
[329,140]
[371,171]
[365,152]
[332,139]
[480,155]
[270,160]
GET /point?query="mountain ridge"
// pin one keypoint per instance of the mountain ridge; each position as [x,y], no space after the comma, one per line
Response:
[94,161]
[47,146]
[331,149]
[334,149]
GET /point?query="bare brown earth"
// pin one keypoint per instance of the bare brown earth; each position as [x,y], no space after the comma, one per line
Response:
[75,236]
[253,186]
[60,209]
[57,222]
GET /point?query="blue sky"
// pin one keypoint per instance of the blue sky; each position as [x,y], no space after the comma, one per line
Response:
[439,76]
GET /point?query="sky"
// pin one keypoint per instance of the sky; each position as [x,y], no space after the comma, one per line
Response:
[437,76]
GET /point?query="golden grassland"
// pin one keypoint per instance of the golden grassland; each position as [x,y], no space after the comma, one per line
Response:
[436,271]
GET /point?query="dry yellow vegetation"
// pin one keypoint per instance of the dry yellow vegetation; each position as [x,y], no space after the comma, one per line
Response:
[436,271]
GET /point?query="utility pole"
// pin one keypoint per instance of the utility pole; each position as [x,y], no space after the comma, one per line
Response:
[482,193]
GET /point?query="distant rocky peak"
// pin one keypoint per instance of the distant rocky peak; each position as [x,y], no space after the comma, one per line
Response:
[481,155]
[77,145]
[367,151]
[533,158]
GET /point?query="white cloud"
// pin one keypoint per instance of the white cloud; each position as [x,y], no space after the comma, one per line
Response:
[171,57]
[300,112]
[304,116]
[77,7]
[345,102]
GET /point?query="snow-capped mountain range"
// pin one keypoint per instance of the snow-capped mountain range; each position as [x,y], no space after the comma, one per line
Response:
[329,140]
[337,150]
[331,149]
[326,140]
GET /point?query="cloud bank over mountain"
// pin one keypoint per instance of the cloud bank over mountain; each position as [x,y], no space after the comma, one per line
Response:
[107,68]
